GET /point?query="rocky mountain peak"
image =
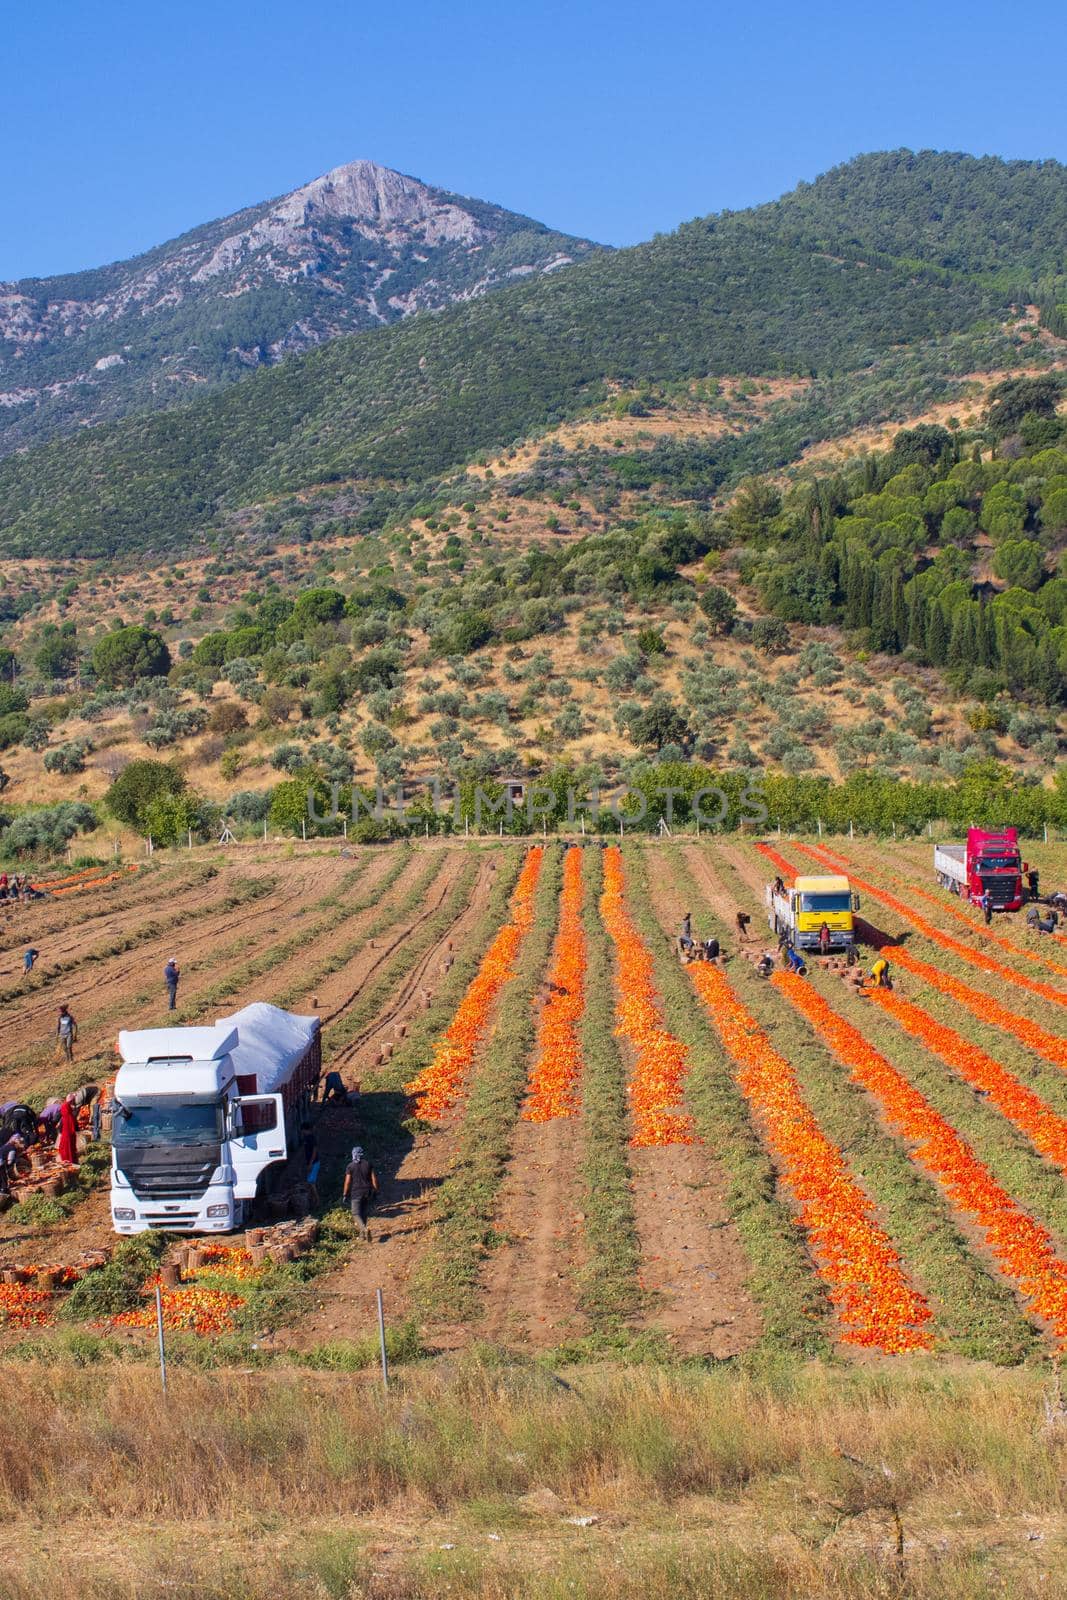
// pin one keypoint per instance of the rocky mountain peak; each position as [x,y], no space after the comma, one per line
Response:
[359,246]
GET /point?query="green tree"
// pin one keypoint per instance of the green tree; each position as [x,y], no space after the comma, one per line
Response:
[315,606]
[57,654]
[719,607]
[467,633]
[1020,563]
[135,788]
[660,724]
[210,651]
[120,658]
[753,508]
[1014,399]
[169,818]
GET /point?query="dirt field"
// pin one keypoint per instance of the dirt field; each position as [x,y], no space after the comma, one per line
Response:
[712,1236]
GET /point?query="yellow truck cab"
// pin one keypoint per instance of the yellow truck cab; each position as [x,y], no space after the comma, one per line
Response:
[801,910]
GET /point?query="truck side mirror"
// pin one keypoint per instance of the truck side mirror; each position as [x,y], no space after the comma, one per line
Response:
[855,901]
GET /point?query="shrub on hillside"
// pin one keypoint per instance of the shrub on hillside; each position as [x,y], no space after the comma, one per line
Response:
[68,758]
[770,635]
[719,606]
[227,717]
[46,832]
[174,725]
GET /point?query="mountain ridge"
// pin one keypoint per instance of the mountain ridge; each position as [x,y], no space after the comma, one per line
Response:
[360,246]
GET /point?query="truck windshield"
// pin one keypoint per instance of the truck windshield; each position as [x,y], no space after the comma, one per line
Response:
[168,1122]
[819,903]
[998,864]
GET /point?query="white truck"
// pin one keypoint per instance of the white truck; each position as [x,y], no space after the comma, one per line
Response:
[204,1118]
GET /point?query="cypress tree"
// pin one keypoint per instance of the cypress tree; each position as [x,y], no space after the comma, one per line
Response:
[853,587]
[899,612]
[868,593]
[917,623]
[961,651]
[936,635]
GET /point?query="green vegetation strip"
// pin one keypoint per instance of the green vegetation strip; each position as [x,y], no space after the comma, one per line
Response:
[976,1313]
[609,1281]
[793,1305]
[447,1279]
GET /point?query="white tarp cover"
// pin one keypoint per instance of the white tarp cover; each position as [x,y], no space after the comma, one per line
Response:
[269,1043]
[195,1044]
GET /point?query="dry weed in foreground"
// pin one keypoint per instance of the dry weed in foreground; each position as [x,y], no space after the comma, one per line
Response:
[810,1481]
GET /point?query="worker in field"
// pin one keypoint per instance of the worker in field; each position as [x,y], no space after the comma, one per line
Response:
[309,1147]
[986,903]
[171,973]
[29,956]
[685,938]
[67,1143]
[333,1089]
[880,974]
[84,1097]
[66,1032]
[1033,881]
[795,962]
[48,1119]
[360,1188]
[742,920]
[824,940]
[765,965]
[711,949]
[10,1150]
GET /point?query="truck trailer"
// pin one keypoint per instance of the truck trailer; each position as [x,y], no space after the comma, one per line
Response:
[801,910]
[988,860]
[204,1118]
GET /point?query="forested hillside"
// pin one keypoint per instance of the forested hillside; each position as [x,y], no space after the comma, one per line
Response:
[883,268]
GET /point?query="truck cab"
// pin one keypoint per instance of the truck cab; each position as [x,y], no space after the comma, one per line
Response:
[193,1138]
[801,910]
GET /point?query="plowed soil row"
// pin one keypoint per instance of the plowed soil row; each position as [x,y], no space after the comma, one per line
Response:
[132,984]
[61,925]
[693,1259]
[409,1175]
[87,969]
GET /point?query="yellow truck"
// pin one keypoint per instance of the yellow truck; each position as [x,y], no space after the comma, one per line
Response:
[802,910]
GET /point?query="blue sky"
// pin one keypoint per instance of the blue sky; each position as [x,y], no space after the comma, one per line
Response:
[121,124]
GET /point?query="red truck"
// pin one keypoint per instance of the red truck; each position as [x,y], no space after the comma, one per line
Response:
[989,860]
